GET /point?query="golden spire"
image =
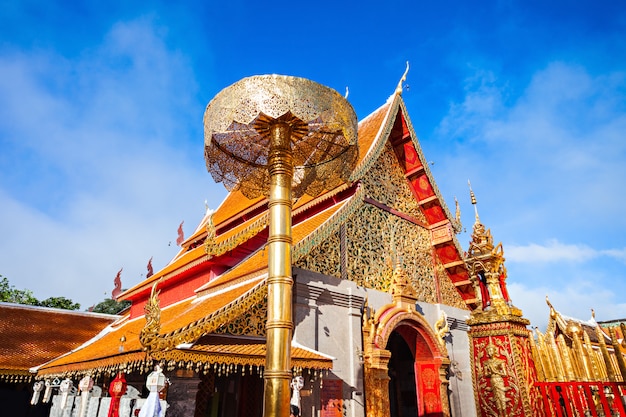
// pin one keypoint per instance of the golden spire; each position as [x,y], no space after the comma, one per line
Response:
[402,80]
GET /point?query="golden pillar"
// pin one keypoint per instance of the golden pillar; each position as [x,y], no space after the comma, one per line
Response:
[618,353]
[257,133]
[279,281]
[610,373]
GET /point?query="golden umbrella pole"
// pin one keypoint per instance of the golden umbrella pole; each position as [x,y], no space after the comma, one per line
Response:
[257,132]
[279,281]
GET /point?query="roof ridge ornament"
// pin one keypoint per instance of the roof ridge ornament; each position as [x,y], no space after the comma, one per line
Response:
[402,80]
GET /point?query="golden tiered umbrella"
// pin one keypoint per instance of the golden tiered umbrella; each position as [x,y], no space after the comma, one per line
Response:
[282,137]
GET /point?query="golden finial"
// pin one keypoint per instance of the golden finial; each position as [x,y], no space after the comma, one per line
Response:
[473,198]
[457,214]
[402,80]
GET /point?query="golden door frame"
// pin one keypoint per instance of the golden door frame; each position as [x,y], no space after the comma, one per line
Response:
[429,352]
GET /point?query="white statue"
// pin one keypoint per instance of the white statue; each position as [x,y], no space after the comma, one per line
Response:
[37,388]
[84,385]
[297,383]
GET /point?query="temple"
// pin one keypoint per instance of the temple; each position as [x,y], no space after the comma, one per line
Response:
[391,317]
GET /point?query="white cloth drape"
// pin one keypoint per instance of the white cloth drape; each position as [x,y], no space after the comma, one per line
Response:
[152,406]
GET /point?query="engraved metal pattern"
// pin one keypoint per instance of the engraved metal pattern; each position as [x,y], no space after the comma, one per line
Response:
[496,367]
[386,183]
[250,323]
[370,260]
[449,294]
[373,234]
[322,125]
[323,258]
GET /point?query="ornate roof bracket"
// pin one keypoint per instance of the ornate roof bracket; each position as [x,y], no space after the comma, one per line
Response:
[154,342]
[214,248]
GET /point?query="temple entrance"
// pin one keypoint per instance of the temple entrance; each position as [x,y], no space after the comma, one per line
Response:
[414,371]
[405,361]
[402,391]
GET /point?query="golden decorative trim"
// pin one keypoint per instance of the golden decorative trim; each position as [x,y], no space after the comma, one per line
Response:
[565,352]
[379,142]
[16,376]
[524,400]
[127,362]
[202,362]
[214,249]
[402,80]
[149,335]
[154,342]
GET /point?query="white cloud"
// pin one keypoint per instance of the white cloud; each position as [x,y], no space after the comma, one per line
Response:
[555,251]
[102,159]
[574,299]
[546,162]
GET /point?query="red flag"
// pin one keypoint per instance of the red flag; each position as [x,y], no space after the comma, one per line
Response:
[181,234]
[150,270]
[117,290]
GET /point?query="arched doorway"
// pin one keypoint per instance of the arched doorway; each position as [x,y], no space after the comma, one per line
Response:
[405,365]
[402,390]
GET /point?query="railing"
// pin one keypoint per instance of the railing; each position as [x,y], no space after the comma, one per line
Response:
[583,399]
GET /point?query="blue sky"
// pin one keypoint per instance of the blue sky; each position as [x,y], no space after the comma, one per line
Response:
[101,127]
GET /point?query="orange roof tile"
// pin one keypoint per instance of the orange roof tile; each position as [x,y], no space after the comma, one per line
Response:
[30,336]
[369,129]
[182,314]
[107,345]
[233,205]
[105,351]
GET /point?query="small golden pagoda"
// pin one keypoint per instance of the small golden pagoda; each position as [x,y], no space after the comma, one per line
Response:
[503,370]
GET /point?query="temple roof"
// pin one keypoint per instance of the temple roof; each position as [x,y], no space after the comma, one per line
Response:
[221,268]
[229,294]
[31,336]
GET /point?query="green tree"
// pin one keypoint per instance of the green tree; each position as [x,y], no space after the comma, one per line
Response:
[10,294]
[59,302]
[110,306]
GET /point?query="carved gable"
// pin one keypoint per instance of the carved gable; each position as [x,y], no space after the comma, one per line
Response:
[388,222]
